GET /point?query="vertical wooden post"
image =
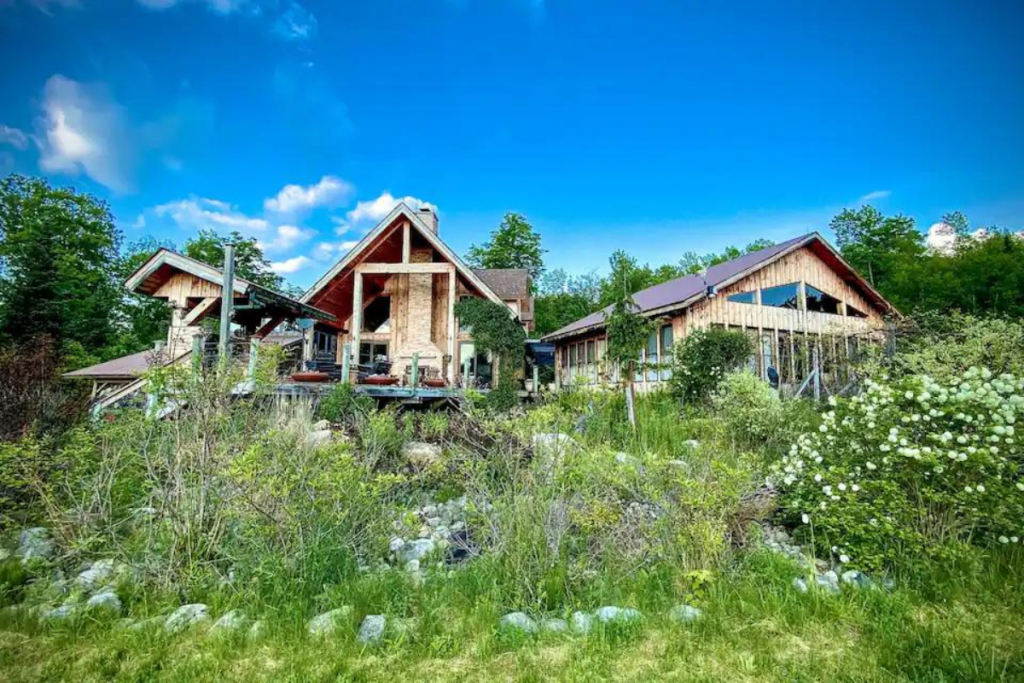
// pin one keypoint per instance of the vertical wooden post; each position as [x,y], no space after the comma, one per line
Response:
[254,352]
[536,379]
[197,355]
[414,375]
[227,300]
[816,355]
[406,243]
[357,313]
[346,364]
[451,325]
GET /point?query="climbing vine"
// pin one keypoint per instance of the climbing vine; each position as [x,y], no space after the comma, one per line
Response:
[496,331]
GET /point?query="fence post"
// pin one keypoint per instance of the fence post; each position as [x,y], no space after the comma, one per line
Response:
[817,373]
[254,351]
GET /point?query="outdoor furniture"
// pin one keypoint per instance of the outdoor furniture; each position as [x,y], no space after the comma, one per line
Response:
[326,364]
[310,376]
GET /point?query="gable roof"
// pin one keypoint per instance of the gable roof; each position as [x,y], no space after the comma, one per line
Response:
[401,210]
[684,291]
[508,283]
[161,265]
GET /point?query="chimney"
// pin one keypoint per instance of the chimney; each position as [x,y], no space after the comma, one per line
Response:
[429,217]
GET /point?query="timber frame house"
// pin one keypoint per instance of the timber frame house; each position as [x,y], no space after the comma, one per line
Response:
[801,304]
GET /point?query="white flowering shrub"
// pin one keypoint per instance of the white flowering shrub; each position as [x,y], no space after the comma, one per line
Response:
[911,469]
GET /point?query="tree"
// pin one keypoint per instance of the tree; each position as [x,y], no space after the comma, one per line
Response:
[58,266]
[250,263]
[563,298]
[627,328]
[514,244]
[876,245]
[142,319]
[497,332]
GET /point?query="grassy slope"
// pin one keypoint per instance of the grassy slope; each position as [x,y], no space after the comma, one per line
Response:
[756,628]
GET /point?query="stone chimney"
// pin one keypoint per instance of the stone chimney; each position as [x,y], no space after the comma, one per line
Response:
[429,217]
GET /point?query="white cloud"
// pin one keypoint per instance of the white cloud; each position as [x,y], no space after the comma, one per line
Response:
[287,237]
[82,130]
[370,212]
[296,23]
[874,196]
[139,223]
[295,199]
[326,251]
[289,266]
[14,137]
[287,19]
[218,6]
[209,214]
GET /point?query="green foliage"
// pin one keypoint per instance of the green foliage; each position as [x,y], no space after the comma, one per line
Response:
[702,359]
[912,469]
[755,415]
[342,404]
[627,329]
[250,263]
[562,299]
[877,245]
[514,244]
[497,331]
[57,250]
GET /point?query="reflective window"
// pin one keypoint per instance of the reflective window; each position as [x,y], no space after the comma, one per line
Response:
[821,302]
[783,296]
[652,357]
[743,298]
[856,313]
[666,350]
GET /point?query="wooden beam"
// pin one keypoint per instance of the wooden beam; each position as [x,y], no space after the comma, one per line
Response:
[406,243]
[268,327]
[357,312]
[451,326]
[393,268]
[199,311]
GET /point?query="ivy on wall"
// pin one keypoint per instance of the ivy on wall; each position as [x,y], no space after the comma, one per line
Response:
[496,331]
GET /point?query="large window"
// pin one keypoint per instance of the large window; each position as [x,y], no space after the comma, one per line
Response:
[851,311]
[370,352]
[783,296]
[377,315]
[325,344]
[652,357]
[666,350]
[744,298]
[821,302]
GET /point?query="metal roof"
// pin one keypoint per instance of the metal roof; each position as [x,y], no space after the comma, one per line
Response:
[507,283]
[125,367]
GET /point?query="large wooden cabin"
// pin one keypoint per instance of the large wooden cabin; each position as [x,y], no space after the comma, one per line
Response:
[797,300]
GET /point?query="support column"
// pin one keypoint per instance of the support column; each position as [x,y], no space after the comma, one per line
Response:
[357,314]
[451,326]
[406,242]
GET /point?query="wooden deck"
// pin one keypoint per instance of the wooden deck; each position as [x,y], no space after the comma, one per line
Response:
[382,394]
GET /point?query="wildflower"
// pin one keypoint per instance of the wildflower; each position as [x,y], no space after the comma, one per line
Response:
[806,518]
[844,559]
[1004,539]
[817,477]
[968,489]
[871,466]
[855,488]
[842,487]
[1013,539]
[981,488]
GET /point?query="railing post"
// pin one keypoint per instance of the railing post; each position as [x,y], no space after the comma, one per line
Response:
[414,376]
[227,300]
[346,363]
[197,355]
[536,379]
[254,351]
[465,373]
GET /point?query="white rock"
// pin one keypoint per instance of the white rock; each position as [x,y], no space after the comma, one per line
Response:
[800,584]
[554,625]
[372,628]
[321,437]
[553,446]
[256,630]
[611,613]
[65,611]
[396,544]
[107,601]
[420,454]
[518,621]
[328,622]
[96,575]
[434,521]
[412,566]
[35,543]
[321,425]
[231,621]
[581,622]
[186,617]
[685,613]
[416,550]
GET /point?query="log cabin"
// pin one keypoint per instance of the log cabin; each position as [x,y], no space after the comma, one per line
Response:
[799,301]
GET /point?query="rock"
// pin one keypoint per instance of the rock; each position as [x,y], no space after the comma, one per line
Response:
[106,601]
[888,584]
[685,613]
[35,543]
[800,584]
[321,437]
[372,628]
[692,444]
[619,614]
[825,584]
[416,550]
[231,621]
[550,447]
[554,625]
[518,621]
[856,578]
[96,575]
[396,544]
[328,622]
[65,611]
[420,454]
[434,521]
[321,425]
[581,622]
[186,617]
[257,629]
[629,461]
[831,577]
[412,566]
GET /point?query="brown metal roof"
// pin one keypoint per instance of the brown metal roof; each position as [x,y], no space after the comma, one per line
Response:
[125,367]
[662,297]
[507,283]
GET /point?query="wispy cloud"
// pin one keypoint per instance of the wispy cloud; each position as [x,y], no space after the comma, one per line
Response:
[44,6]
[297,200]
[288,20]
[296,23]
[326,251]
[289,266]
[874,196]
[286,237]
[200,213]
[370,212]
[13,136]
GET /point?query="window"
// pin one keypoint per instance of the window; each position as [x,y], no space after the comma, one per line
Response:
[325,344]
[652,357]
[743,298]
[821,302]
[377,315]
[783,296]
[666,350]
[856,313]
[370,352]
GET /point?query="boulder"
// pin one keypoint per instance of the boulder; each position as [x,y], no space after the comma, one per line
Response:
[828,583]
[396,544]
[800,584]
[328,622]
[856,579]
[372,629]
[96,575]
[321,425]
[35,543]
[416,550]
[617,614]
[65,611]
[581,622]
[554,626]
[518,621]
[685,613]
[320,437]
[231,621]
[106,601]
[421,454]
[186,616]
[550,447]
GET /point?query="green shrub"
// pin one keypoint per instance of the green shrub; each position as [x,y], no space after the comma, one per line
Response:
[343,404]
[912,469]
[756,417]
[702,359]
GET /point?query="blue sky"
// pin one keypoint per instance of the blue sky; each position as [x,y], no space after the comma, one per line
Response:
[657,127]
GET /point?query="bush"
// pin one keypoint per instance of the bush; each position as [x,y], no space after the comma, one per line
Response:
[751,408]
[342,404]
[702,359]
[912,469]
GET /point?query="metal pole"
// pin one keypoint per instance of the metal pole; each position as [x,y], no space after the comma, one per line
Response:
[227,299]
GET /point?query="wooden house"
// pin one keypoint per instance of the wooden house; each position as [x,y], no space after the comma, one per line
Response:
[799,302]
